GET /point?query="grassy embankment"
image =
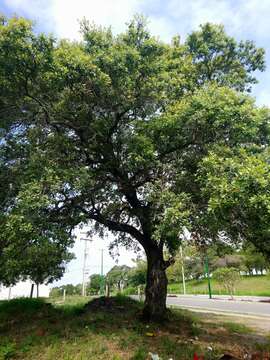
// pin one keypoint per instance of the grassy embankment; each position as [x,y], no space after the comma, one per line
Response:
[248,285]
[35,330]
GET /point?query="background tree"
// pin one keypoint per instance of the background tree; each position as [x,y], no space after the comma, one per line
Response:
[70,289]
[218,57]
[78,289]
[95,283]
[227,278]
[137,274]
[32,248]
[56,291]
[254,260]
[237,189]
[219,254]
[234,260]
[115,131]
[118,276]
[192,261]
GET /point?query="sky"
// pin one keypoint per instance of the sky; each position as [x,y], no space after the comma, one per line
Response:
[243,19]
[95,245]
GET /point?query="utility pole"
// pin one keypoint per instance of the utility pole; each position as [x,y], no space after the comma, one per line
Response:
[86,253]
[183,270]
[184,238]
[102,262]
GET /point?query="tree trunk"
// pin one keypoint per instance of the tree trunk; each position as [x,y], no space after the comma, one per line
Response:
[156,288]
[32,291]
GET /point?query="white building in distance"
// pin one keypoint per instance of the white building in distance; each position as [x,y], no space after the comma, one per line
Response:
[23,289]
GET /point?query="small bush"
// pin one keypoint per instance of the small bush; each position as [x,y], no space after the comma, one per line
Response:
[22,308]
[140,354]
[130,291]
[7,351]
[228,278]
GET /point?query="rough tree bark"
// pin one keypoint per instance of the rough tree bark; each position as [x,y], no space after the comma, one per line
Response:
[156,288]
[156,281]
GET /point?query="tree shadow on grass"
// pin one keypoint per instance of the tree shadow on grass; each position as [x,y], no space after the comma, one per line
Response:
[109,329]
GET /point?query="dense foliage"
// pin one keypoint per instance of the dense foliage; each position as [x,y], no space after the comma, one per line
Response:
[95,284]
[134,136]
[117,277]
[70,289]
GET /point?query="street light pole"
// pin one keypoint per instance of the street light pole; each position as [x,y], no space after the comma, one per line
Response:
[183,270]
[206,267]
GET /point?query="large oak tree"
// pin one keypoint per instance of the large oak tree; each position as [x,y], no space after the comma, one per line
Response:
[118,131]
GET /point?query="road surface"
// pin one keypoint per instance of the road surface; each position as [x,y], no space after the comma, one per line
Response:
[254,308]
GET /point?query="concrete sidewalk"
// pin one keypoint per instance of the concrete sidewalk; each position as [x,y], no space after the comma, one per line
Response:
[224,297]
[251,308]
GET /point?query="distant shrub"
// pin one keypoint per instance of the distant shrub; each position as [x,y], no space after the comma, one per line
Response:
[22,308]
[228,278]
[131,290]
[8,350]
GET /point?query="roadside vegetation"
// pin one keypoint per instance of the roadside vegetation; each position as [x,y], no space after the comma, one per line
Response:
[256,285]
[225,263]
[110,329]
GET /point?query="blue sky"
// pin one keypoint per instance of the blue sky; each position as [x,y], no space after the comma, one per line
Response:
[243,19]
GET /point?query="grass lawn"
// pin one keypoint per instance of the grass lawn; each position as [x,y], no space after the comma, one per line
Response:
[36,330]
[248,285]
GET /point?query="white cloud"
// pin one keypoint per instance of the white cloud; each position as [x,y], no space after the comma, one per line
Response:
[64,15]
[166,18]
[36,10]
[239,17]
[161,28]
[67,13]
[263,98]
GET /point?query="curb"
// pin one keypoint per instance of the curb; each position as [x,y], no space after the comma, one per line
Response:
[223,312]
[238,298]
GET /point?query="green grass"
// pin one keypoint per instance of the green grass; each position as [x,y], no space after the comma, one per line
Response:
[21,305]
[248,285]
[34,329]
[237,328]
[70,300]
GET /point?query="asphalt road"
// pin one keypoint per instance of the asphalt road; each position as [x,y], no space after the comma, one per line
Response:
[221,305]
